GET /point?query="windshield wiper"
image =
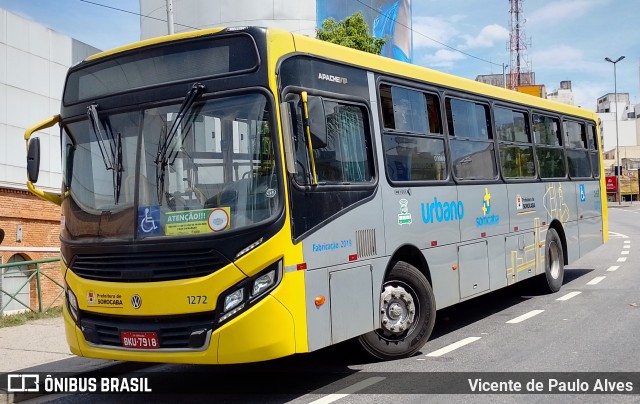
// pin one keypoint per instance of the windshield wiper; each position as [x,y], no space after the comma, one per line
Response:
[107,155]
[111,153]
[117,172]
[165,145]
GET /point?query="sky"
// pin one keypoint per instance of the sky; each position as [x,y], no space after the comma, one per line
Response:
[566,39]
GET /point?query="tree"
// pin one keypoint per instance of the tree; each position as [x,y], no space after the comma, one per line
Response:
[352,32]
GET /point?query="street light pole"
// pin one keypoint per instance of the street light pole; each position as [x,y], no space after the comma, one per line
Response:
[170,30]
[504,75]
[615,94]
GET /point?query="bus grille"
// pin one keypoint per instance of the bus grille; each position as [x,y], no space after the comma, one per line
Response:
[148,266]
[174,332]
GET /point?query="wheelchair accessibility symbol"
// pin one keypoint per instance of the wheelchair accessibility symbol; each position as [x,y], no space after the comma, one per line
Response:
[149,221]
[583,194]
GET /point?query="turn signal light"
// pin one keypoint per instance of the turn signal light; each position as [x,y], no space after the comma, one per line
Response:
[320,300]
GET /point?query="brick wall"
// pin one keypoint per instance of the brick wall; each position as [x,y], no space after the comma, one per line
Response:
[40,223]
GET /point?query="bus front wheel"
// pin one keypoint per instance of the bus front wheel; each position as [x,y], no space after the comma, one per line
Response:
[553,263]
[407,315]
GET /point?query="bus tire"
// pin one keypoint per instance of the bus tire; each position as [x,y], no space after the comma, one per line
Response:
[553,263]
[407,315]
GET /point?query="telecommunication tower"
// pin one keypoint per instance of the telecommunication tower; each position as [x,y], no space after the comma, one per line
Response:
[518,68]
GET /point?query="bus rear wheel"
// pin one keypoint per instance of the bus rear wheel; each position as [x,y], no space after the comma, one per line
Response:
[553,263]
[407,315]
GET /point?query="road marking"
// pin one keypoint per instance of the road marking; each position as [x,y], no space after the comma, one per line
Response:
[626,246]
[348,390]
[622,259]
[568,296]
[613,268]
[453,346]
[627,241]
[596,280]
[524,316]
[624,252]
[619,235]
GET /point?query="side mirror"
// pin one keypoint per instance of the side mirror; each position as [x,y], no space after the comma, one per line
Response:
[68,167]
[33,159]
[287,112]
[317,122]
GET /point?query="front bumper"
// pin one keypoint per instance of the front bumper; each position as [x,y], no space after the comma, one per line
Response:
[250,337]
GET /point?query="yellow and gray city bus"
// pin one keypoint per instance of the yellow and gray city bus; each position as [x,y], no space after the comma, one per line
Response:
[236,195]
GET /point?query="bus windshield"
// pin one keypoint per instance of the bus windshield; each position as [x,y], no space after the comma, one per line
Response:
[213,171]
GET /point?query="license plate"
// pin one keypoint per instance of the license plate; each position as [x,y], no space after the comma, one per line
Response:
[139,340]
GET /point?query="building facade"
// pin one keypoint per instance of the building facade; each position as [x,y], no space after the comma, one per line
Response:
[563,94]
[620,128]
[628,124]
[504,80]
[31,83]
[386,18]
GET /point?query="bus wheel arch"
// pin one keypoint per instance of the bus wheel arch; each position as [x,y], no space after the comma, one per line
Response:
[407,311]
[413,256]
[557,226]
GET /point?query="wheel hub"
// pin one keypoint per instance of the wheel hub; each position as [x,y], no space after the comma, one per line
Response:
[398,310]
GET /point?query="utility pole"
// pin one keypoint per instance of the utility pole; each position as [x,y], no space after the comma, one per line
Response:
[170,17]
[615,94]
[504,75]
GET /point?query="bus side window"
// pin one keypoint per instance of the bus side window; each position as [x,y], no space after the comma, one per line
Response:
[347,156]
[516,148]
[471,140]
[550,153]
[594,153]
[413,140]
[577,150]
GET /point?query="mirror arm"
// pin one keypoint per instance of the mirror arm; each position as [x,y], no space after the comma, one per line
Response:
[47,123]
[307,129]
[48,196]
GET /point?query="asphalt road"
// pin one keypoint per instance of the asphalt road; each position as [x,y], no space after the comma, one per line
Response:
[512,335]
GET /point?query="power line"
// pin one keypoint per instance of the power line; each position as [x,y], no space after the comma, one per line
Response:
[359,1]
[134,13]
[434,40]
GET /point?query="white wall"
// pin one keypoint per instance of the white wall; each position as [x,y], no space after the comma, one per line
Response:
[292,15]
[561,95]
[626,131]
[33,64]
[623,102]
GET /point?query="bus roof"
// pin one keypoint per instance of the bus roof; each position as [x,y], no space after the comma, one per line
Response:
[374,62]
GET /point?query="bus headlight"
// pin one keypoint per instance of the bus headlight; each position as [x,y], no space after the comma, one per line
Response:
[72,302]
[263,283]
[249,291]
[233,300]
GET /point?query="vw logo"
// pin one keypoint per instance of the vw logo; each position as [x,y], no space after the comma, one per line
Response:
[136,301]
